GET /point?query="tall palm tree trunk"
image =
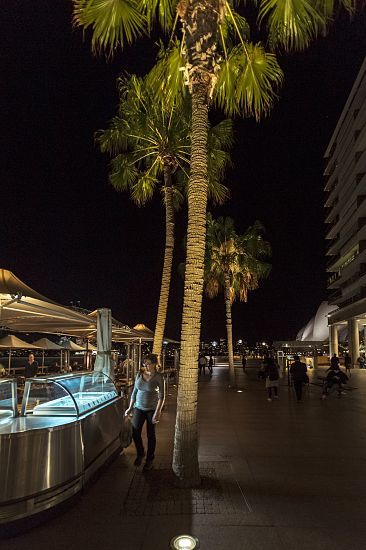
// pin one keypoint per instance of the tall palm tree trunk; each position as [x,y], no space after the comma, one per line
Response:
[185,456]
[229,330]
[168,261]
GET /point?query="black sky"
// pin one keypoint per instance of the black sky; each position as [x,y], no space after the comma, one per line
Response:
[70,236]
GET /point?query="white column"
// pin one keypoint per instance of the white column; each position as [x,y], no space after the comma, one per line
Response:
[333,340]
[353,341]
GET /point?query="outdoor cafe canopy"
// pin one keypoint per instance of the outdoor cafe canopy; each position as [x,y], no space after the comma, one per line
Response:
[22,309]
[146,334]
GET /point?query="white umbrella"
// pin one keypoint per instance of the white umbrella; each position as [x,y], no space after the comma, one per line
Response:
[90,347]
[71,346]
[45,343]
[68,346]
[13,342]
[103,361]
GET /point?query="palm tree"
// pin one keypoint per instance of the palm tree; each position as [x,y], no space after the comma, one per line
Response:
[235,264]
[221,65]
[150,148]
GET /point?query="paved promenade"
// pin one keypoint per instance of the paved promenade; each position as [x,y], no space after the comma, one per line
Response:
[276,476]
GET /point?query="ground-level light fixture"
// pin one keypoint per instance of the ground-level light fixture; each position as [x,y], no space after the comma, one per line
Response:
[184,542]
[239,391]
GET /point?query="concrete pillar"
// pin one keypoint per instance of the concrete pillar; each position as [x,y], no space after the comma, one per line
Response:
[333,340]
[353,341]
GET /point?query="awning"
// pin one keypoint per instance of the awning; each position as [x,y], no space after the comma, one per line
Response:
[25,310]
[13,342]
[46,344]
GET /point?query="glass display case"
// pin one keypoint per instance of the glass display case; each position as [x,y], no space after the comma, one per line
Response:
[8,399]
[67,395]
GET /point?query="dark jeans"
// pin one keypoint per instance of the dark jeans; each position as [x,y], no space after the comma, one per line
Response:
[138,421]
[298,389]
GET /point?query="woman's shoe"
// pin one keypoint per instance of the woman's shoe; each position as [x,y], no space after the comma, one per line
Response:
[138,460]
[148,465]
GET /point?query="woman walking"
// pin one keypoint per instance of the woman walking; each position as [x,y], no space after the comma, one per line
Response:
[146,402]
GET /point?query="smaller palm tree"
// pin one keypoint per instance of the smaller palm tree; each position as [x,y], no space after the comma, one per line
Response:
[150,148]
[235,264]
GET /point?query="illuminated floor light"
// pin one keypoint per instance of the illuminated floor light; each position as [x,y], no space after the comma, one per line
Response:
[184,542]
[239,391]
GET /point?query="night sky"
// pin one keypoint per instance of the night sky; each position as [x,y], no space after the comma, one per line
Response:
[70,236]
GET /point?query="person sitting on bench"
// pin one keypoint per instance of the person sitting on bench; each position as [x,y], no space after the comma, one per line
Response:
[334,381]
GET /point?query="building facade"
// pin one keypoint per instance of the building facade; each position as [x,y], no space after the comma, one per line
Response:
[345,201]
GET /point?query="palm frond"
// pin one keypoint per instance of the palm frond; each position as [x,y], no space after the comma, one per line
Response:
[218,162]
[143,190]
[123,174]
[212,287]
[258,76]
[167,76]
[113,22]
[115,138]
[328,7]
[223,132]
[292,24]
[224,92]
[217,192]
[234,26]
[163,10]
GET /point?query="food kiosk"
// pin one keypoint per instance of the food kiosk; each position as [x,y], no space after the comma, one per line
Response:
[66,428]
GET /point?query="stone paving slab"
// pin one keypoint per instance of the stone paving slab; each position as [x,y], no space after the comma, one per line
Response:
[154,493]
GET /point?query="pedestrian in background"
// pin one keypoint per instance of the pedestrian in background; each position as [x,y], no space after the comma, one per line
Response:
[202,363]
[210,365]
[271,371]
[298,371]
[31,367]
[334,381]
[361,361]
[347,363]
[244,362]
[334,362]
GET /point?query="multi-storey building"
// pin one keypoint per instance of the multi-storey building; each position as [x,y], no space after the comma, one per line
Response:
[345,188]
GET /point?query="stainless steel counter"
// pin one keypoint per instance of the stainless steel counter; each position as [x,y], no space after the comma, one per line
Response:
[46,459]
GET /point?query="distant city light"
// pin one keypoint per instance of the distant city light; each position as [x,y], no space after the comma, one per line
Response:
[240,341]
[214,344]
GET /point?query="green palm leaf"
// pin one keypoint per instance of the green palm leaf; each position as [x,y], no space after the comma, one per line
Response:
[143,190]
[217,192]
[223,134]
[167,76]
[328,7]
[233,26]
[254,77]
[115,138]
[224,92]
[113,22]
[242,258]
[163,10]
[292,24]
[123,174]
